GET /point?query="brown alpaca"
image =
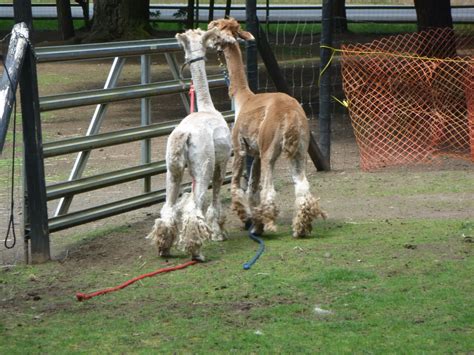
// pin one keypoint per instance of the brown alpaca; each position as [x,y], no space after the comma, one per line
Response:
[266,125]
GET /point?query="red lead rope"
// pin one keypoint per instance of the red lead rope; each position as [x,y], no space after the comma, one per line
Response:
[191,98]
[85,296]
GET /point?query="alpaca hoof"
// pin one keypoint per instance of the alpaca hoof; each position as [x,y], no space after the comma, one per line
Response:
[297,235]
[248,224]
[164,253]
[219,237]
[257,229]
[270,227]
[199,258]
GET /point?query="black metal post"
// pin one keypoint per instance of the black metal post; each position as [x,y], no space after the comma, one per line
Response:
[228,5]
[251,46]
[271,64]
[252,58]
[211,11]
[65,23]
[325,82]
[35,200]
[190,15]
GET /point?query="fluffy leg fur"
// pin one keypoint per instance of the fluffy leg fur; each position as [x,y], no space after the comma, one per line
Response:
[194,232]
[240,204]
[307,209]
[216,220]
[267,212]
[164,231]
[265,215]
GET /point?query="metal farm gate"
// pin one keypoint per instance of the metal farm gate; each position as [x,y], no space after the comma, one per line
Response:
[38,225]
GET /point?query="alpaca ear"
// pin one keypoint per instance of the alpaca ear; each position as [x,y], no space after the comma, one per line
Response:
[210,37]
[182,39]
[245,35]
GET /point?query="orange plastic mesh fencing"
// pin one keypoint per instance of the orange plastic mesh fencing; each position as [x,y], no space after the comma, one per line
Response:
[411,97]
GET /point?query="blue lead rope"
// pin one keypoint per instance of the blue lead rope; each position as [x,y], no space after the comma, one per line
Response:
[261,248]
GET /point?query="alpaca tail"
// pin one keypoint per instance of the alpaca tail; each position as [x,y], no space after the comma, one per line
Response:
[177,149]
[293,134]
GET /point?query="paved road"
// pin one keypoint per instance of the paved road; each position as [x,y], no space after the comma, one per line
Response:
[276,13]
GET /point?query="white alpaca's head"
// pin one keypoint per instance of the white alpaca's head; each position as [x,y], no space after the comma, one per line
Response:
[194,43]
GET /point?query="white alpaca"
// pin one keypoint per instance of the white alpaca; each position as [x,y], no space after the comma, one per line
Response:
[266,126]
[202,143]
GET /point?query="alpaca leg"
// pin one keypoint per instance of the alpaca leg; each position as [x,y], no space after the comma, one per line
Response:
[239,200]
[267,211]
[195,229]
[306,206]
[165,229]
[215,216]
[253,192]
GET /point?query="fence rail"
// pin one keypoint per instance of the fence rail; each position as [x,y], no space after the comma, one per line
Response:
[93,97]
[271,13]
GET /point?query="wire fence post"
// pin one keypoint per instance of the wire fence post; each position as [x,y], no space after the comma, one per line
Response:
[251,46]
[325,82]
[36,216]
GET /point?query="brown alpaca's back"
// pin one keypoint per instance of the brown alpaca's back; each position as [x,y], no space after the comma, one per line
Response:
[273,121]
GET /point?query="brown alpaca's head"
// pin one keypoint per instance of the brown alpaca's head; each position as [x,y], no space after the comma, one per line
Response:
[227,31]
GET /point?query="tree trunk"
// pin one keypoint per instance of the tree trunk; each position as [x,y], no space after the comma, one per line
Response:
[120,20]
[339,16]
[434,15]
[190,15]
[65,24]
[85,12]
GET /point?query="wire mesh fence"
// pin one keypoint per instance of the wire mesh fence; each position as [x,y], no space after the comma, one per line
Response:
[407,97]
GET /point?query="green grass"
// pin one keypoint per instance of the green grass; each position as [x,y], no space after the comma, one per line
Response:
[383,297]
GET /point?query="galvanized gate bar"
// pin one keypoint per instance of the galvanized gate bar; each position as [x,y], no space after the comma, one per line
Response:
[145,117]
[93,97]
[171,59]
[106,50]
[69,188]
[77,144]
[107,210]
[112,209]
[94,127]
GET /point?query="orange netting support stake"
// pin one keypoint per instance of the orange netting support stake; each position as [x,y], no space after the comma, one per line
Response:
[470,106]
[405,106]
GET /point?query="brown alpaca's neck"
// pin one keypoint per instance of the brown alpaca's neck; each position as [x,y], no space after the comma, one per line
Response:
[239,88]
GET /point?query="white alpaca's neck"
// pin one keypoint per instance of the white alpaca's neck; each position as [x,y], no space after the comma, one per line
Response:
[239,88]
[203,96]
